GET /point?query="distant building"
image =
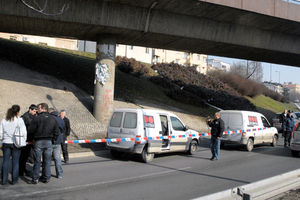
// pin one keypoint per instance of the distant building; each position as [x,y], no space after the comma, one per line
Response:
[53,42]
[214,64]
[276,87]
[293,90]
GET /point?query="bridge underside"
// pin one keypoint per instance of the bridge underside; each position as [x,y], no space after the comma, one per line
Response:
[188,25]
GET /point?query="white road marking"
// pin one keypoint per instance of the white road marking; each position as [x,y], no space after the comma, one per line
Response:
[75,187]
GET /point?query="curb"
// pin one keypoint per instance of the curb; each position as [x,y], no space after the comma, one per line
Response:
[88,154]
[259,190]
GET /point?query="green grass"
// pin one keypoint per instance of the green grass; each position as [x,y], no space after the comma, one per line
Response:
[264,102]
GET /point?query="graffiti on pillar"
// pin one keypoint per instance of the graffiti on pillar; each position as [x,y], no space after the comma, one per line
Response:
[107,100]
[101,74]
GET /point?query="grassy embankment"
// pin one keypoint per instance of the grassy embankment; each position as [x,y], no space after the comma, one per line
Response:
[78,68]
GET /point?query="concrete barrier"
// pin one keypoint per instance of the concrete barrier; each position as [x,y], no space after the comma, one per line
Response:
[259,190]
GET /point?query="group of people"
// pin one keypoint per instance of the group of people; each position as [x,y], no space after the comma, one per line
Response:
[288,124]
[45,131]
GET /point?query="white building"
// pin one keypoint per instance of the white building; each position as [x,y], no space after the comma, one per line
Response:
[214,64]
[276,87]
[49,41]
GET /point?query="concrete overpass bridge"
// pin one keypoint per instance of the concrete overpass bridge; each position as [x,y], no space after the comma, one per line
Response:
[262,30]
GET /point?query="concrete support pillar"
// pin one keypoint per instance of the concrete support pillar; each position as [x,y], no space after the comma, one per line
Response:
[104,79]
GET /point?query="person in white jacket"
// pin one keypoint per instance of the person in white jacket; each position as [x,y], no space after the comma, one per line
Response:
[11,126]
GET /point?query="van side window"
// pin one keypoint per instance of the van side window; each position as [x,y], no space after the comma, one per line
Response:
[130,120]
[116,119]
[176,124]
[164,124]
[265,122]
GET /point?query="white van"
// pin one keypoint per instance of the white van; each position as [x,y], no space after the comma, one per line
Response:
[245,120]
[140,123]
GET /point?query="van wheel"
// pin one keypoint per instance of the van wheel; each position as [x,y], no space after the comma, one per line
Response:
[193,147]
[147,157]
[274,141]
[295,153]
[249,144]
[116,154]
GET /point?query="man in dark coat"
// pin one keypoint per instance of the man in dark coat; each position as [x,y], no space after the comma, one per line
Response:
[57,144]
[66,133]
[27,151]
[44,129]
[288,126]
[217,129]
[282,119]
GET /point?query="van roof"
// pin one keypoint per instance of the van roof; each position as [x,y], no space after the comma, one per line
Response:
[240,111]
[141,109]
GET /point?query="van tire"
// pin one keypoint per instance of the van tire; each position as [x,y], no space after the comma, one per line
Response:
[193,147]
[147,157]
[250,144]
[274,141]
[295,153]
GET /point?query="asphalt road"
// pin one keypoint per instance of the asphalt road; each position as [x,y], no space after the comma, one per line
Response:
[169,176]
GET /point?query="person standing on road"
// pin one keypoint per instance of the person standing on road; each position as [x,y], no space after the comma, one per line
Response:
[57,143]
[289,124]
[217,129]
[44,129]
[8,128]
[66,133]
[282,119]
[27,151]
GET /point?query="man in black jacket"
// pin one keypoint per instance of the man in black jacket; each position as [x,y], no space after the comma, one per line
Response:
[66,133]
[44,129]
[27,151]
[217,129]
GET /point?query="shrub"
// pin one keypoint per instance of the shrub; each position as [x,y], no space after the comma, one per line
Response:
[245,86]
[130,65]
[189,86]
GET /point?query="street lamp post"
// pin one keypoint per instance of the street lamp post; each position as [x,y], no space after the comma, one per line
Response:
[278,75]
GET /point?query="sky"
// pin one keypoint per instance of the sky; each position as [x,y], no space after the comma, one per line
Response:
[283,72]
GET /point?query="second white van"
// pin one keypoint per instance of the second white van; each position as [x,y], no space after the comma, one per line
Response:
[246,120]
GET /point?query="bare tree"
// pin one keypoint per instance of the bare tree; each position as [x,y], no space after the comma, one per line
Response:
[41,6]
[250,70]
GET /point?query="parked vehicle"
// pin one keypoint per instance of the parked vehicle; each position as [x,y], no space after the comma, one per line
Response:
[295,141]
[297,115]
[243,120]
[277,124]
[140,123]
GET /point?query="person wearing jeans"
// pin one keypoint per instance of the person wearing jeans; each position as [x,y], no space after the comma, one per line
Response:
[44,129]
[217,129]
[10,150]
[57,143]
[8,127]
[42,148]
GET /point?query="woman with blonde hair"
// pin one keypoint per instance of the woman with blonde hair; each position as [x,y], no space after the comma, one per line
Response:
[10,128]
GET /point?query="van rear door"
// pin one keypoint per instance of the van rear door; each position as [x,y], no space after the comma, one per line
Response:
[123,125]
